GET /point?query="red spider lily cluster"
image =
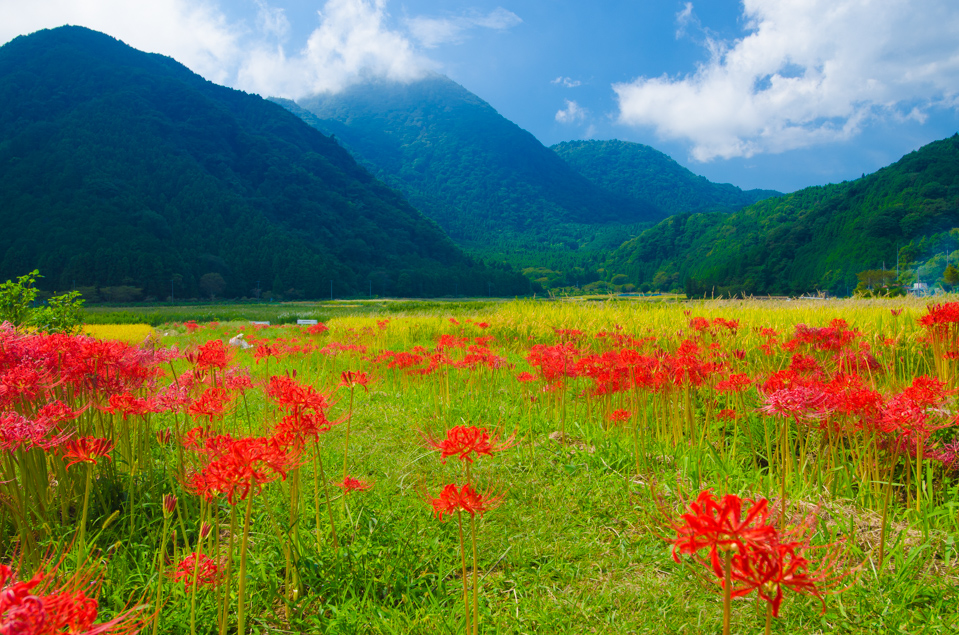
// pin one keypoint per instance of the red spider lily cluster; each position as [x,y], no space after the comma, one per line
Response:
[468,443]
[238,467]
[760,556]
[50,604]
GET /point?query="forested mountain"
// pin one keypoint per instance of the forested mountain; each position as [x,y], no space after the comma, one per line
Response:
[816,238]
[485,180]
[646,175]
[119,167]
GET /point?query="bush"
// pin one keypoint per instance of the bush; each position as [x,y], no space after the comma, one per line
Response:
[61,314]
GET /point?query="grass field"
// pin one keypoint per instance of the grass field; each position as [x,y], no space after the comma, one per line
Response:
[605,420]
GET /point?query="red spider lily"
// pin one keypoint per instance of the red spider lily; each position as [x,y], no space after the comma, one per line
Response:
[18,432]
[770,568]
[444,342]
[618,416]
[213,354]
[467,441]
[57,411]
[86,450]
[197,568]
[351,484]
[737,382]
[453,499]
[191,326]
[351,379]
[554,362]
[834,337]
[800,402]
[296,430]
[210,404]
[265,351]
[939,315]
[727,414]
[241,466]
[699,324]
[720,526]
[195,438]
[317,328]
[948,455]
[237,380]
[526,377]
[50,604]
[911,414]
[293,396]
[127,404]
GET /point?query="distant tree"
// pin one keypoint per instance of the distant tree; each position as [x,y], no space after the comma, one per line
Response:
[874,278]
[951,276]
[878,282]
[212,284]
[122,293]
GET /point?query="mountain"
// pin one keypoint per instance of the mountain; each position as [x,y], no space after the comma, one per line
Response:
[646,175]
[484,179]
[119,167]
[816,238]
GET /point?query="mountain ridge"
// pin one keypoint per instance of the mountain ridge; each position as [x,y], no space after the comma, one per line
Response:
[642,173]
[480,176]
[818,238]
[122,167]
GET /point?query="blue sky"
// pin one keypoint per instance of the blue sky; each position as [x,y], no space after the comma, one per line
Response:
[776,94]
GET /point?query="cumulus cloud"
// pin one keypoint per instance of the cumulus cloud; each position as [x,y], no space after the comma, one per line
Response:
[568,82]
[806,73]
[353,42]
[432,31]
[572,113]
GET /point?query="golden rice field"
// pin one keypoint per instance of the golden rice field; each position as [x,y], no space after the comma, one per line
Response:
[129,333]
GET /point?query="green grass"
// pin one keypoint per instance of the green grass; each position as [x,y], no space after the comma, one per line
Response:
[578,544]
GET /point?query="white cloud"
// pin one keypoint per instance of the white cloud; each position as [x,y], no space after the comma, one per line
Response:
[431,32]
[194,32]
[352,43]
[808,72]
[683,18]
[572,113]
[568,82]
[272,20]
